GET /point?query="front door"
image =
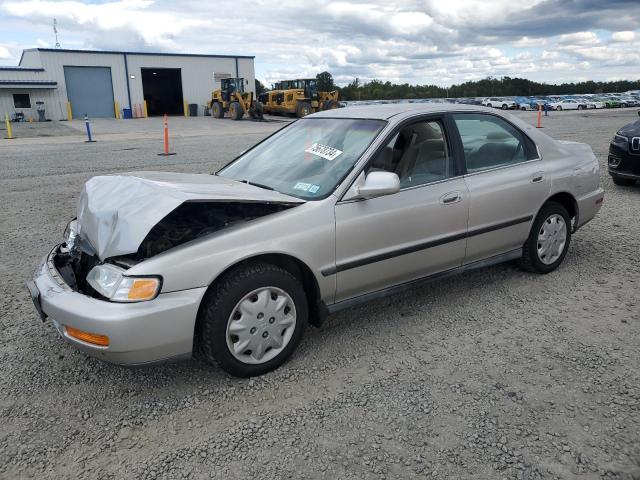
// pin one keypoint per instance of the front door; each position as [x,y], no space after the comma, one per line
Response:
[419,231]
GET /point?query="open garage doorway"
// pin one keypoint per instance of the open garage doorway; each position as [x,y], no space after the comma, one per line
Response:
[162,90]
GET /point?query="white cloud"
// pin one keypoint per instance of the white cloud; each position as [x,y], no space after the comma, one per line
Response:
[623,36]
[579,38]
[4,53]
[414,41]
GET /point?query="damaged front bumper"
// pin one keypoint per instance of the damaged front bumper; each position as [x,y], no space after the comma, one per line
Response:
[138,333]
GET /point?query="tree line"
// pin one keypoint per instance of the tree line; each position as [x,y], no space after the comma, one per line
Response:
[487,87]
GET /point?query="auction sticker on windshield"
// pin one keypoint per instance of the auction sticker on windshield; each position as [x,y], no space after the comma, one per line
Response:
[324,151]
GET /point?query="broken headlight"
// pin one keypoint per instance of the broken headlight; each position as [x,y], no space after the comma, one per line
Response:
[110,282]
[70,234]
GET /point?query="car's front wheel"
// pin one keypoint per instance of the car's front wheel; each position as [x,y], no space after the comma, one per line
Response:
[252,319]
[548,240]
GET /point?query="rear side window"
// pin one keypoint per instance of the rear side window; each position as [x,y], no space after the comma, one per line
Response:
[490,142]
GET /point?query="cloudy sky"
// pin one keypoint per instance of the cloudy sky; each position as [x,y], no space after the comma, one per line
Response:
[417,41]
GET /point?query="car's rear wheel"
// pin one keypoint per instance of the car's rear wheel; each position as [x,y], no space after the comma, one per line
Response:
[623,182]
[548,240]
[252,320]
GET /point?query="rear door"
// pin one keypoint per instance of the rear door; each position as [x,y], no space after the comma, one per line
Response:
[506,182]
[419,231]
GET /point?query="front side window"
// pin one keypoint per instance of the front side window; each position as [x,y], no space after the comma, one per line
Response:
[308,158]
[418,154]
[490,142]
[21,100]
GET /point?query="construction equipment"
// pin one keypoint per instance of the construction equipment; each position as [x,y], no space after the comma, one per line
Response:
[298,97]
[233,99]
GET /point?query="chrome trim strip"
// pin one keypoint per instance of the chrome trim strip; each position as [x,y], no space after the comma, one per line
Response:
[340,267]
[367,297]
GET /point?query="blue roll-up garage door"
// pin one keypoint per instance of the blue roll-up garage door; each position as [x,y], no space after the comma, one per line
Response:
[90,91]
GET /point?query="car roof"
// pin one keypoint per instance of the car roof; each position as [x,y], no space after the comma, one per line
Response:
[386,111]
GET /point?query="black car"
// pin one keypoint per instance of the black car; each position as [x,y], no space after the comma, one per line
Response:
[624,155]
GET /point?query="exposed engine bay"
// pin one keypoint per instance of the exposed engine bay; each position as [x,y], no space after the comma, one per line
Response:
[75,258]
[196,219]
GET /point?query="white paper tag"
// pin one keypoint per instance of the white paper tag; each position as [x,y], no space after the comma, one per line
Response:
[324,151]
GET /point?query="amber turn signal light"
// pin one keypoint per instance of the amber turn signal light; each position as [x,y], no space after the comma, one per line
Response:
[92,338]
[143,289]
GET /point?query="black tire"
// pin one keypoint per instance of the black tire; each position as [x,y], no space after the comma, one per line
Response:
[530,261]
[235,111]
[505,106]
[489,105]
[303,109]
[559,108]
[216,110]
[523,108]
[330,105]
[221,299]
[623,182]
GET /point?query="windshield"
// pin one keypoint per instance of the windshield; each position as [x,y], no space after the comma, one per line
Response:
[306,159]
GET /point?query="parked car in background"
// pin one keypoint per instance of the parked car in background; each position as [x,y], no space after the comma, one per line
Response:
[611,102]
[499,102]
[624,155]
[591,102]
[628,101]
[525,103]
[567,104]
[335,209]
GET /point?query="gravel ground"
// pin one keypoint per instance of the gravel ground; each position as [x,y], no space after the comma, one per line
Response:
[494,374]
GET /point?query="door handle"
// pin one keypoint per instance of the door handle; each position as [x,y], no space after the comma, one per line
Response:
[537,177]
[451,197]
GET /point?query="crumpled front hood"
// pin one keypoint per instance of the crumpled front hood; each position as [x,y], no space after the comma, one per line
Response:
[116,212]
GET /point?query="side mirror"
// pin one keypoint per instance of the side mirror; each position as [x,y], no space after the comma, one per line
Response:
[376,184]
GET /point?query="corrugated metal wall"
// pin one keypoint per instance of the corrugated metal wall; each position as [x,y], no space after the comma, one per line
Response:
[197,73]
[54,63]
[49,97]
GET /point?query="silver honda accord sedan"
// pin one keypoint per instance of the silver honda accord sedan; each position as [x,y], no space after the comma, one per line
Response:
[335,209]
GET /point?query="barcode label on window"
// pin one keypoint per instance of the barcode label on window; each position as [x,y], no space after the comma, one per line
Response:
[324,151]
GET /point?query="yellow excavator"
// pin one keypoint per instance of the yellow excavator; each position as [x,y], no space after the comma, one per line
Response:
[298,97]
[232,98]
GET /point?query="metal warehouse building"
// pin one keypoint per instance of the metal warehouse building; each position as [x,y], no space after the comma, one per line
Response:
[110,84]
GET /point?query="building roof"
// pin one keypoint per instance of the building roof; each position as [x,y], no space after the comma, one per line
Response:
[20,69]
[28,84]
[161,54]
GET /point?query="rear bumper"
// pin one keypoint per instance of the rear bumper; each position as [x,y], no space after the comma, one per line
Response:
[589,206]
[139,333]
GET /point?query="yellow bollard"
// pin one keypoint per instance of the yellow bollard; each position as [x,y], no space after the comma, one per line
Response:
[9,129]
[146,112]
[116,107]
[69,113]
[186,109]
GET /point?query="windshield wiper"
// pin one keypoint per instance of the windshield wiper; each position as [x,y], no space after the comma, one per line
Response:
[259,185]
